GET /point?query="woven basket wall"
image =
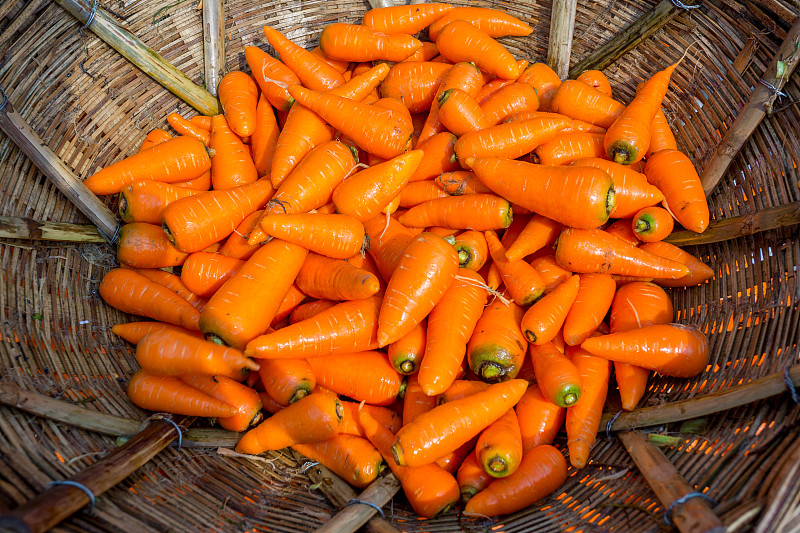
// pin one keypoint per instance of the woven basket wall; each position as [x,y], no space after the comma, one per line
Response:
[92,108]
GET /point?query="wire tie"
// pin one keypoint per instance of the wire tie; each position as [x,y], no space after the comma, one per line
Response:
[374,506]
[611,423]
[790,385]
[166,418]
[681,5]
[77,485]
[774,89]
[307,465]
[682,500]
[90,18]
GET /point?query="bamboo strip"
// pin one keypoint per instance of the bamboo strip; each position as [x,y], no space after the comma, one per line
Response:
[562,26]
[18,130]
[628,39]
[60,501]
[706,404]
[731,228]
[213,43]
[352,517]
[757,107]
[693,516]
[144,57]
[375,4]
[26,228]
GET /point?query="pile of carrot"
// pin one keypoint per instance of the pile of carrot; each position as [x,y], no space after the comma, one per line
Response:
[421,254]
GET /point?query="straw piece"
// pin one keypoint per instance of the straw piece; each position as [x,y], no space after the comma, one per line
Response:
[733,227]
[757,107]
[26,228]
[628,39]
[144,57]
[213,43]
[562,27]
[689,515]
[18,130]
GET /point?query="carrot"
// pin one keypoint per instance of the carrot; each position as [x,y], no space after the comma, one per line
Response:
[173,353]
[628,138]
[195,222]
[143,201]
[472,478]
[635,305]
[494,22]
[538,233]
[596,251]
[343,67]
[583,418]
[424,272]
[294,296]
[179,159]
[246,400]
[201,121]
[578,100]
[472,250]
[451,461]
[510,140]
[154,137]
[652,224]
[546,82]
[573,125]
[169,394]
[351,42]
[459,112]
[622,229]
[231,165]
[596,79]
[461,182]
[238,94]
[461,388]
[415,400]
[385,416]
[286,380]
[272,76]
[513,98]
[451,324]
[464,76]
[593,301]
[405,354]
[312,71]
[544,318]
[345,327]
[362,376]
[134,332]
[541,471]
[539,419]
[201,183]
[493,86]
[438,157]
[309,309]
[337,236]
[314,418]
[448,426]
[186,127]
[174,283]
[558,378]
[567,147]
[474,211]
[410,19]
[204,273]
[143,245]
[675,176]
[246,304]
[574,196]
[414,83]
[552,273]
[264,138]
[522,281]
[132,293]
[661,136]
[335,279]
[699,272]
[236,244]
[387,240]
[499,447]
[366,193]
[497,346]
[426,52]
[420,192]
[631,189]
[352,458]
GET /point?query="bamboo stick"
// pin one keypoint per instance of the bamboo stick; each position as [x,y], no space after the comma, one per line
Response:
[27,228]
[692,516]
[13,125]
[562,26]
[757,107]
[352,517]
[706,404]
[375,4]
[733,227]
[144,57]
[60,501]
[213,43]
[626,40]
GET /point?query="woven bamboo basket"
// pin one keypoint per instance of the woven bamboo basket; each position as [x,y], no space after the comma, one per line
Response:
[92,107]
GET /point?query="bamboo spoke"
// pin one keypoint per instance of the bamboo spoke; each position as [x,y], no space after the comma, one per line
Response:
[213,43]
[562,26]
[26,228]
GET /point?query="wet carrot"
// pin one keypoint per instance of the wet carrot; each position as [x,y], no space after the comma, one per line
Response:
[652,224]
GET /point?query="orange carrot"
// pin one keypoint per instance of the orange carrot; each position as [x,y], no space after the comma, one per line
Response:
[622,229]
[478,212]
[450,425]
[595,251]
[499,447]
[132,293]
[387,240]
[451,324]
[134,332]
[574,196]
[312,71]
[202,183]
[661,136]
[345,327]
[493,86]
[309,309]
[352,458]
[652,224]
[385,416]
[497,346]
[236,244]
[472,250]
[410,19]
[472,478]
[578,100]
[341,66]
[698,271]
[558,378]
[335,279]
[337,236]
[179,159]
[415,400]
[294,297]
[464,76]
[542,470]
[513,98]
[583,418]
[231,165]
[143,245]
[459,112]
[675,176]
[169,394]
[351,42]
[153,138]
[538,233]
[174,283]
[539,419]
[424,272]
[546,82]
[510,140]
[593,301]
[245,400]
[451,461]
[272,76]
[201,121]
[186,127]
[286,380]
[419,192]
[523,282]
[494,22]
[143,201]
[375,381]
[567,147]
[204,273]
[596,79]
[461,182]
[173,353]
[238,94]
[631,189]
[265,137]
[544,318]
[438,157]
[552,273]
[414,83]
[461,388]
[405,354]
[574,125]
